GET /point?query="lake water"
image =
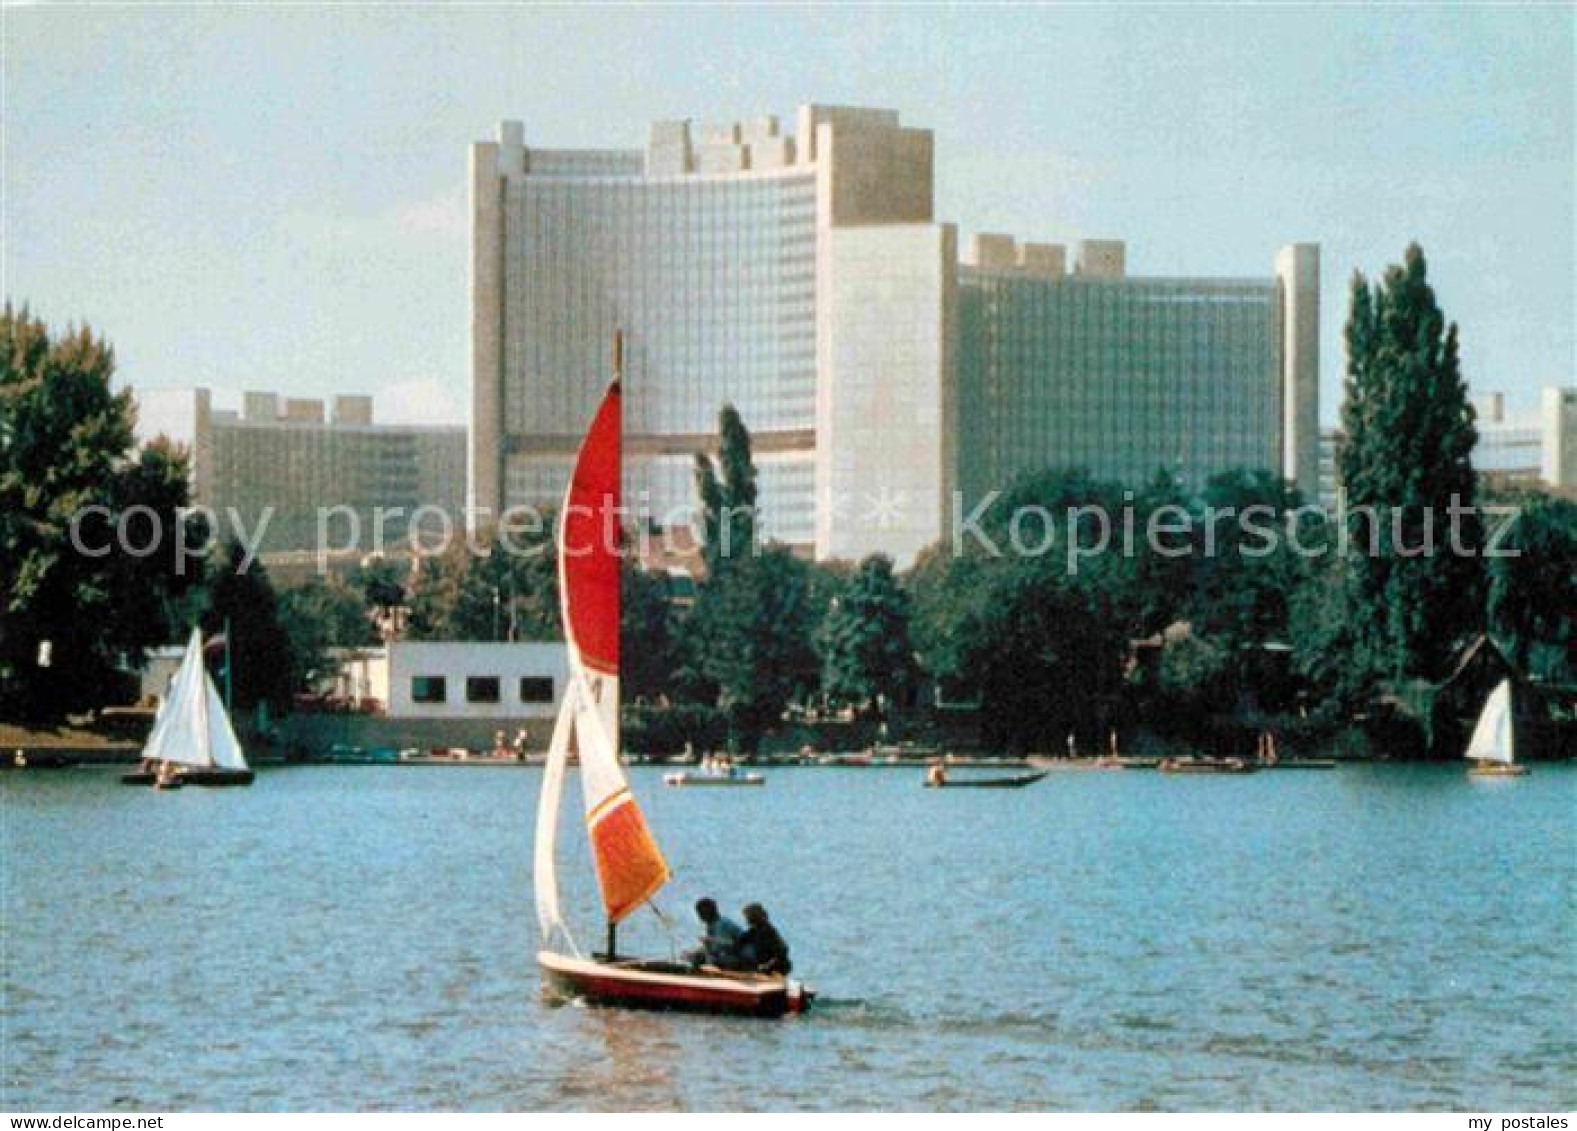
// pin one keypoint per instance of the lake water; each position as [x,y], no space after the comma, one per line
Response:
[363,938]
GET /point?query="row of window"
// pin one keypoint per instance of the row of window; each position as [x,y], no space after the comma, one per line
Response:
[480,689]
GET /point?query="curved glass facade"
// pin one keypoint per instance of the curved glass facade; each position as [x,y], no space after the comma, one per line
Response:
[712,280]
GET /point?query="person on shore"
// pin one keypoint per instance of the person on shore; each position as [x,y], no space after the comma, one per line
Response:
[720,944]
[761,947]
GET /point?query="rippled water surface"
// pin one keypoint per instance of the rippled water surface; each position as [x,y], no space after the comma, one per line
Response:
[363,937]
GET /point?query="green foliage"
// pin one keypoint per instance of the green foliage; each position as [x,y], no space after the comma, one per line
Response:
[1533,595]
[242,604]
[318,617]
[1040,651]
[504,589]
[66,445]
[649,729]
[754,627]
[726,489]
[381,584]
[652,661]
[1194,680]
[1244,579]
[867,660]
[1142,582]
[1410,436]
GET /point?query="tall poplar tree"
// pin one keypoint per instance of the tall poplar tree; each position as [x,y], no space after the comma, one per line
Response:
[1411,598]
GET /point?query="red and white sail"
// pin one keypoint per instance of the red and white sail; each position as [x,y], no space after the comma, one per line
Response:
[630,868]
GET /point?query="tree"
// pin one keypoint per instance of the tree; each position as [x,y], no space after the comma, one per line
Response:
[726,488]
[867,660]
[89,606]
[1246,576]
[1040,651]
[1404,468]
[381,584]
[504,589]
[318,617]
[1533,595]
[754,626]
[242,605]
[651,664]
[1195,681]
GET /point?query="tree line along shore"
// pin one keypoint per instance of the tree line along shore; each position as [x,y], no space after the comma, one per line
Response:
[1363,645]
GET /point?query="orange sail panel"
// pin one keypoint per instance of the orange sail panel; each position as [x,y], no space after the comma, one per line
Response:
[630,868]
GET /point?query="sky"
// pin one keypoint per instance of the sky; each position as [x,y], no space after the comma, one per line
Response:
[273,197]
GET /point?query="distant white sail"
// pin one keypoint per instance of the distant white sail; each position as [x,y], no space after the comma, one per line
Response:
[192,727]
[1492,737]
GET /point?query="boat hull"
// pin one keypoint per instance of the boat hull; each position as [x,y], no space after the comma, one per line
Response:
[1225,766]
[691,780]
[1018,782]
[193,777]
[1498,770]
[637,984]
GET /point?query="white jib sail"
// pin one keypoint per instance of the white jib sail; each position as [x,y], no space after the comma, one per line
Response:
[1492,738]
[223,748]
[181,733]
[544,877]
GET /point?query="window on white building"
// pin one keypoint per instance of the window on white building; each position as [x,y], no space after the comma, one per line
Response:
[481,689]
[429,689]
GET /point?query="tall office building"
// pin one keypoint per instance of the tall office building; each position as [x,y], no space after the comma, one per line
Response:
[805,280]
[1125,377]
[288,458]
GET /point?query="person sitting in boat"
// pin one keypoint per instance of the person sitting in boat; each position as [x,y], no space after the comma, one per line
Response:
[761,948]
[720,944]
[936,775]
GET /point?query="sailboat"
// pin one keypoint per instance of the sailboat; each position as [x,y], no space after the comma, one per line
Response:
[191,733]
[630,867]
[1492,748]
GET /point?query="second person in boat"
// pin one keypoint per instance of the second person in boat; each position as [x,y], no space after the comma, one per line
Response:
[761,948]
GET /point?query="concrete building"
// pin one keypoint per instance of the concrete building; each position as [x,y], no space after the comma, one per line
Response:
[804,278]
[1528,447]
[1558,418]
[290,455]
[1331,440]
[1537,448]
[465,680]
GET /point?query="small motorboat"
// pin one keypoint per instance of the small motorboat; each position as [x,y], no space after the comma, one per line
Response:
[1017,781]
[714,777]
[1205,765]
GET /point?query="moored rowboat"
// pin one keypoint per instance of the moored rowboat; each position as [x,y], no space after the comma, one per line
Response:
[1018,781]
[1206,766]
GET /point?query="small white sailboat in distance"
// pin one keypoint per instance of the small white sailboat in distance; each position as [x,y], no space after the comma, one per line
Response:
[1492,748]
[192,741]
[630,867]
